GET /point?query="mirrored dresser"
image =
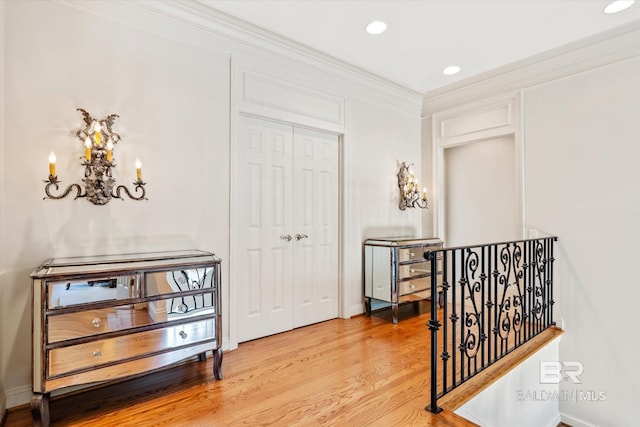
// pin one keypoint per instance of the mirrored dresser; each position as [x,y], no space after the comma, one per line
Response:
[396,272]
[106,318]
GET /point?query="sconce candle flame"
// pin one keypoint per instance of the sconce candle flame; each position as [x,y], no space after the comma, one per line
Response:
[99,185]
[409,190]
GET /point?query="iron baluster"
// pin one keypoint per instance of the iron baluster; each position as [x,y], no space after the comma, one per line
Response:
[445,312]
[551,240]
[434,327]
[454,318]
[462,284]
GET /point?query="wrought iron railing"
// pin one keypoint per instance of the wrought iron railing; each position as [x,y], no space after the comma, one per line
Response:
[493,298]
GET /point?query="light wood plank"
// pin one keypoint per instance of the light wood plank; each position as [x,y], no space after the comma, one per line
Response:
[362,371]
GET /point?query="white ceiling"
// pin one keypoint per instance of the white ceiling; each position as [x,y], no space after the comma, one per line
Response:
[425,36]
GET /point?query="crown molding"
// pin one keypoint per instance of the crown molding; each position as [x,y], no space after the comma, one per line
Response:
[605,48]
[246,37]
[209,29]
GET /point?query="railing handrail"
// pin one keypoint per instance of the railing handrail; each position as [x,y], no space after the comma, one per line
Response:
[506,298]
[479,245]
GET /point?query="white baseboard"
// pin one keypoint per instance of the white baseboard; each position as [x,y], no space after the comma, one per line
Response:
[18,396]
[575,422]
[226,344]
[556,420]
[357,309]
[472,417]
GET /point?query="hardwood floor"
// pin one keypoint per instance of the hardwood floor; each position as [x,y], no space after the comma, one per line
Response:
[356,372]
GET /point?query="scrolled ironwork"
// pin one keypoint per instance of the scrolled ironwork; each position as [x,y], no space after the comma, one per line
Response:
[138,186]
[53,182]
[474,318]
[497,297]
[510,275]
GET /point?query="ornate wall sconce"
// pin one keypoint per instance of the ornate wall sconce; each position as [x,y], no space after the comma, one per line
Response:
[410,196]
[98,139]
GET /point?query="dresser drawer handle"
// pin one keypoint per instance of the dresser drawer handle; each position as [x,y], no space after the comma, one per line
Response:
[182,334]
[96,322]
[97,354]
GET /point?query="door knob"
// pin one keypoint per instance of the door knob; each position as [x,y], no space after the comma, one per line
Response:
[301,236]
[286,237]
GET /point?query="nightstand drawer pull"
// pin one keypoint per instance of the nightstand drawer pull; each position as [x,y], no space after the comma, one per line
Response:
[97,354]
[96,322]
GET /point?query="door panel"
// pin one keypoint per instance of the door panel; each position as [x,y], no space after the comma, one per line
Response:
[315,285]
[264,184]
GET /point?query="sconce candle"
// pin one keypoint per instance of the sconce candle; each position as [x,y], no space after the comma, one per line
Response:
[139,169]
[109,150]
[87,149]
[98,129]
[52,164]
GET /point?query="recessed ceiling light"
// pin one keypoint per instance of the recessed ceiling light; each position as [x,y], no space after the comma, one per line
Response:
[451,69]
[618,6]
[376,27]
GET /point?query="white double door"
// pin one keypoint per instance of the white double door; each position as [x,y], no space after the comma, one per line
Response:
[287,227]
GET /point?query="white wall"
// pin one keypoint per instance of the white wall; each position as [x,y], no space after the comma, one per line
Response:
[2,189]
[480,183]
[169,80]
[378,140]
[582,176]
[580,116]
[173,105]
[428,178]
[518,395]
[476,153]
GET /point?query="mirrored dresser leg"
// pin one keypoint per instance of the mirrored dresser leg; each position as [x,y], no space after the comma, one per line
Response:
[367,305]
[202,357]
[217,363]
[40,409]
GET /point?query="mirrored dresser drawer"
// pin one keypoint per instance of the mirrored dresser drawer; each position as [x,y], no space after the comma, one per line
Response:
[80,357]
[97,319]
